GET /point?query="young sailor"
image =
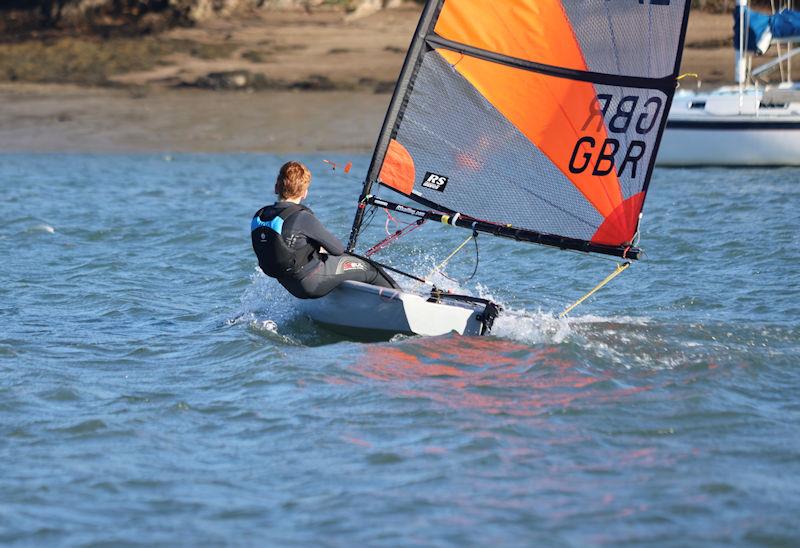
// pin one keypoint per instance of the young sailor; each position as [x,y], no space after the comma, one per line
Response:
[293,246]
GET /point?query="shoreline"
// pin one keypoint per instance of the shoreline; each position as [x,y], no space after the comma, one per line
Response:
[75,119]
[326,84]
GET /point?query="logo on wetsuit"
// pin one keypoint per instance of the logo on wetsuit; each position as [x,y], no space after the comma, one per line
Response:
[353,265]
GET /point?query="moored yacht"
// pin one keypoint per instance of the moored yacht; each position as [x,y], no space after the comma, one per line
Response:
[748,124]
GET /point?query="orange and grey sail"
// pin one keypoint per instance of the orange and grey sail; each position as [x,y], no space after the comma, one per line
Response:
[538,119]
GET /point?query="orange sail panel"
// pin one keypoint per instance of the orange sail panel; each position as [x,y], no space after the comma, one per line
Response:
[398,168]
[534,30]
[620,226]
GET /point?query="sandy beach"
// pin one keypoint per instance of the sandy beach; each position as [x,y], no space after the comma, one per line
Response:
[71,119]
[284,82]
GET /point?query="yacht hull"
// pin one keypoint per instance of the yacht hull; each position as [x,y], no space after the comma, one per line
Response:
[738,141]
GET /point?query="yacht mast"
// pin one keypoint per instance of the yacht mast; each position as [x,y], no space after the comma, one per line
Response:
[740,70]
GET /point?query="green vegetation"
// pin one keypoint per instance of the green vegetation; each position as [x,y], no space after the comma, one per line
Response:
[93,61]
[20,17]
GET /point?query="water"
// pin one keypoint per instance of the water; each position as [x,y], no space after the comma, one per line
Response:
[154,389]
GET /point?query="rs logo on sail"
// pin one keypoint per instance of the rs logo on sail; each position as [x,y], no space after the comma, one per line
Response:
[435,182]
[619,116]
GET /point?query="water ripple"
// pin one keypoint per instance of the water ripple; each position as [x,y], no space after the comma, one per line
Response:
[157,389]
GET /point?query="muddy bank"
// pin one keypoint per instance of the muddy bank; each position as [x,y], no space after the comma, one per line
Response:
[275,50]
[281,81]
[70,118]
[325,49]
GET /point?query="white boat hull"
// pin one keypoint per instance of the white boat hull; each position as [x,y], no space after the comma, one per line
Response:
[735,143]
[369,311]
[726,128]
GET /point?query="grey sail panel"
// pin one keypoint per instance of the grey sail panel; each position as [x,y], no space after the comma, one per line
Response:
[451,130]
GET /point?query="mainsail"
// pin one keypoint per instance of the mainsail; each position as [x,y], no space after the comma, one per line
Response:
[535,119]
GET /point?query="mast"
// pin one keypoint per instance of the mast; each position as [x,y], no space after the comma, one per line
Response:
[790,4]
[405,80]
[740,69]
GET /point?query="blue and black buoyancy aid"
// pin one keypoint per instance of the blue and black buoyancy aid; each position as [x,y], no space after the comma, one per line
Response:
[275,257]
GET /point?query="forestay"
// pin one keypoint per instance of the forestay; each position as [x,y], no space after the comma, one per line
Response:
[539,117]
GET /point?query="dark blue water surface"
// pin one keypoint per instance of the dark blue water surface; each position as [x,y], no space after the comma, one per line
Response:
[155,389]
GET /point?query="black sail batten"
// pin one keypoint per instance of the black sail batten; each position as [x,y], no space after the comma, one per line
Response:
[504,231]
[663,84]
[402,89]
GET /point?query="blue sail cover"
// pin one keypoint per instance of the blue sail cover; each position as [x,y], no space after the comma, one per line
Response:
[762,29]
[785,25]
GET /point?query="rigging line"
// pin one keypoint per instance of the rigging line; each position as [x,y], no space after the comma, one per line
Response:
[367,221]
[477,256]
[392,269]
[453,66]
[392,238]
[694,75]
[453,254]
[474,270]
[619,270]
[390,219]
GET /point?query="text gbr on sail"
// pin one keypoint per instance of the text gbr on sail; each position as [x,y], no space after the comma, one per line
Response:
[630,115]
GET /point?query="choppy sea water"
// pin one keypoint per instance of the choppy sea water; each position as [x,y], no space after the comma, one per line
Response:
[155,389]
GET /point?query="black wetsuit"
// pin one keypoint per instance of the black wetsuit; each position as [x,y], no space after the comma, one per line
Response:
[318,273]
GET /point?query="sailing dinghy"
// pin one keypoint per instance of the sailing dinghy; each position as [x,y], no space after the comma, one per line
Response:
[535,120]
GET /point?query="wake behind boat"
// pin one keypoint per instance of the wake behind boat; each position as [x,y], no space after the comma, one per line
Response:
[537,121]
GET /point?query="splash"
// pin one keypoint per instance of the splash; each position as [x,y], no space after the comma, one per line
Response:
[620,341]
[47,229]
[266,308]
[515,323]
[531,327]
[265,295]
[269,311]
[624,341]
